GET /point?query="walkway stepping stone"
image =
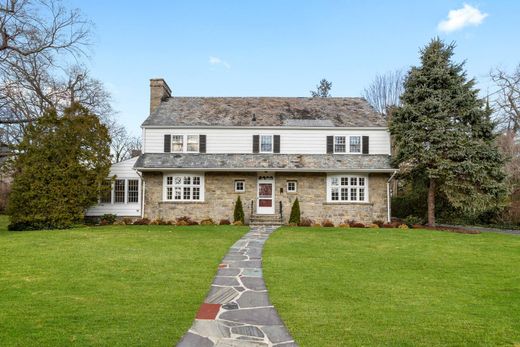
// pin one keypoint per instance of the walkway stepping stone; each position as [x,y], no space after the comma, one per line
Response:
[237,311]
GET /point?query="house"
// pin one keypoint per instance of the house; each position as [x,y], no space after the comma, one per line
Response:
[201,153]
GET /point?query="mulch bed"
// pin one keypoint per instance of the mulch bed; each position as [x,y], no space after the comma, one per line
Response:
[448,229]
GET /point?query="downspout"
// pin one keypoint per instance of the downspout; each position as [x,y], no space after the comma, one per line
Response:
[142,195]
[388,200]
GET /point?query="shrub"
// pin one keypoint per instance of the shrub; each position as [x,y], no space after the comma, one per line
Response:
[292,225]
[207,221]
[127,220]
[185,220]
[403,226]
[357,225]
[141,221]
[378,222]
[391,225]
[411,220]
[238,223]
[373,226]
[316,225]
[238,214]
[224,222]
[344,225]
[327,223]
[119,222]
[108,218]
[305,222]
[295,212]
[160,221]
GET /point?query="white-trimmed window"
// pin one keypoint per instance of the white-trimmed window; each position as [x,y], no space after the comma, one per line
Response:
[347,188]
[266,143]
[183,187]
[192,143]
[240,186]
[292,186]
[355,144]
[177,143]
[340,144]
[122,191]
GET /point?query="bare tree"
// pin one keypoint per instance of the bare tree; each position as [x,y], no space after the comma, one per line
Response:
[322,89]
[122,145]
[385,91]
[507,98]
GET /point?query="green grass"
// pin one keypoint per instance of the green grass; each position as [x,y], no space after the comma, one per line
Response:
[106,286]
[390,287]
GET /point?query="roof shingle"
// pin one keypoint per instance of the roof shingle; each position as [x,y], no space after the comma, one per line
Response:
[265,111]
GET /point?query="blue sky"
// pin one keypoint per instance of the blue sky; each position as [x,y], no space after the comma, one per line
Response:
[283,48]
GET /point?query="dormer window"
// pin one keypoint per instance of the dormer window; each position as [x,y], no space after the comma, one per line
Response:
[340,144]
[192,143]
[347,144]
[355,144]
[177,143]
[185,143]
[266,143]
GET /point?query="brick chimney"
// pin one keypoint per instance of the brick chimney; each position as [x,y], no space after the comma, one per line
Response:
[159,91]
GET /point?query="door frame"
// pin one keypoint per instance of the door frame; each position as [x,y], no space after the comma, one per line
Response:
[267,178]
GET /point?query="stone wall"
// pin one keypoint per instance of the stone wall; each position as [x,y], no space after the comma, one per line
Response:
[220,198]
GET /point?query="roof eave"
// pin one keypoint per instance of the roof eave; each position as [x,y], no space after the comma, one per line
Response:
[384,170]
[380,128]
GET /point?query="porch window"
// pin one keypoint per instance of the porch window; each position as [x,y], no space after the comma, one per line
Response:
[266,143]
[106,192]
[183,187]
[119,191]
[347,188]
[133,191]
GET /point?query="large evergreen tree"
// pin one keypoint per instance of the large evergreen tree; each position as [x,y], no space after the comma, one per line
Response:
[444,135]
[59,168]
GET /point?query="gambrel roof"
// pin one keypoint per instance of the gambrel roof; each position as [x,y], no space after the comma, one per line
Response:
[264,111]
[255,162]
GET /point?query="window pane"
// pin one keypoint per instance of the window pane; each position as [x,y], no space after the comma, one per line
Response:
[169,193]
[196,193]
[177,142]
[334,194]
[291,186]
[353,194]
[340,144]
[177,193]
[177,180]
[169,180]
[266,143]
[196,180]
[193,143]
[187,179]
[344,194]
[119,189]
[334,181]
[344,181]
[186,195]
[361,194]
[361,181]
[355,144]
[353,181]
[133,191]
[106,192]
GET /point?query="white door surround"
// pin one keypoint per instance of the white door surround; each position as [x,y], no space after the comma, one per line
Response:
[265,203]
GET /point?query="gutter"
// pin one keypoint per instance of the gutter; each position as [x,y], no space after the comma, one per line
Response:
[144,169]
[388,200]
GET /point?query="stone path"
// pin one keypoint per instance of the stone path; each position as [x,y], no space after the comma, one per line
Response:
[237,311]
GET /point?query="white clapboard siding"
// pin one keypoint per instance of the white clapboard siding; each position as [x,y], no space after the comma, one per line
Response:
[122,170]
[292,141]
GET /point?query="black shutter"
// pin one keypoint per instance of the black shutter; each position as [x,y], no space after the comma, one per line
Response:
[276,146]
[365,150]
[256,143]
[202,143]
[167,143]
[330,144]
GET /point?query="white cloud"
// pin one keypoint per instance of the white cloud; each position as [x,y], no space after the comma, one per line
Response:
[218,61]
[458,19]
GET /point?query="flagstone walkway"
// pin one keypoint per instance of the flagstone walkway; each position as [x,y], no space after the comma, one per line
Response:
[237,311]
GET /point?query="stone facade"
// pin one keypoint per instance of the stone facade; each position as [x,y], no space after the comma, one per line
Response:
[220,197]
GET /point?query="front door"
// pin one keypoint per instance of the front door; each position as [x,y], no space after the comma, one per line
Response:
[265,195]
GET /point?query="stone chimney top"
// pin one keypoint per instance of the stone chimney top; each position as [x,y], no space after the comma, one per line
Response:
[159,91]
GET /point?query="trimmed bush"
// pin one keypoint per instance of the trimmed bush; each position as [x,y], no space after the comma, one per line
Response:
[306,222]
[224,222]
[238,223]
[327,224]
[207,221]
[238,214]
[378,222]
[185,220]
[295,212]
[411,220]
[357,225]
[141,221]
[107,219]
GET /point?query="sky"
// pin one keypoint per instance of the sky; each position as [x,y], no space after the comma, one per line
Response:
[283,48]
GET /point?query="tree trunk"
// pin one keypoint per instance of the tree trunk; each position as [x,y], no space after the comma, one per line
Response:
[431,203]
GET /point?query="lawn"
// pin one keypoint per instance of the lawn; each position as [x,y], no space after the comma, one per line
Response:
[391,287]
[106,286]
